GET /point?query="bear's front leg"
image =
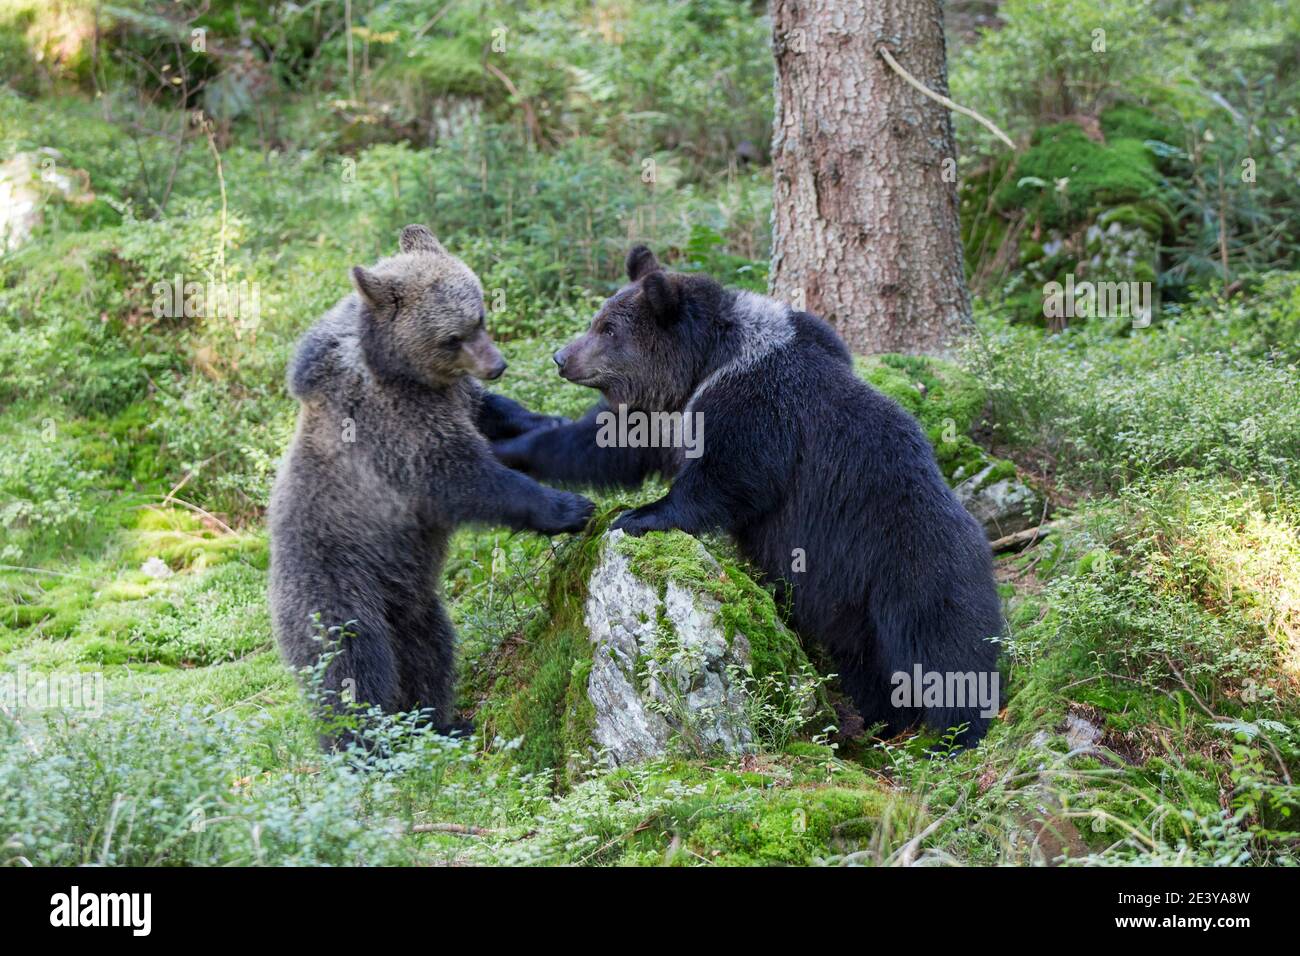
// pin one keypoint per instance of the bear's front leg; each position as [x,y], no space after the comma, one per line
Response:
[500,418]
[571,454]
[493,494]
[697,502]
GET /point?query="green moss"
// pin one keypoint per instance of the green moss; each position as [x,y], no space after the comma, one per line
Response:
[1065,178]
[792,810]
[1000,470]
[1150,218]
[744,605]
[937,392]
[1130,121]
[122,446]
[538,693]
[45,608]
[789,829]
[183,540]
[536,701]
[17,616]
[948,402]
[121,618]
[252,683]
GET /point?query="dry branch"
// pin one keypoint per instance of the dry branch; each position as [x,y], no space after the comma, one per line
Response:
[941,99]
[1021,538]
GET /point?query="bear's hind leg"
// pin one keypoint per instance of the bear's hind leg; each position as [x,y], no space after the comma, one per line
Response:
[426,651]
[939,668]
[362,670]
[865,681]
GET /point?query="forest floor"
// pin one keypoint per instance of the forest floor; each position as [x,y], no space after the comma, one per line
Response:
[1151,666]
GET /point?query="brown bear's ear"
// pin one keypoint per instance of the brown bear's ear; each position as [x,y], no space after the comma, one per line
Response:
[371,287]
[661,296]
[417,237]
[640,261]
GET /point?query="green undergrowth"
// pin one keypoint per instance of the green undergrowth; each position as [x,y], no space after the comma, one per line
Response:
[796,808]
[1215,388]
[1167,627]
[170,592]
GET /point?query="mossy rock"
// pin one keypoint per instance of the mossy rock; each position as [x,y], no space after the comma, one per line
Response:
[1099,210]
[678,558]
[530,690]
[1130,121]
[696,660]
[937,392]
[1092,177]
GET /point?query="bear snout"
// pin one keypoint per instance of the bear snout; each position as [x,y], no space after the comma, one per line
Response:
[482,359]
[572,363]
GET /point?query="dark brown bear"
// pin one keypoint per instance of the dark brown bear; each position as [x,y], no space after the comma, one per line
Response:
[829,488]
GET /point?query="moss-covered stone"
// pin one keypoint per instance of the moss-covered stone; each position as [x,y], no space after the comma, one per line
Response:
[1076,205]
[745,606]
[1065,178]
[534,690]
[538,689]
[1130,121]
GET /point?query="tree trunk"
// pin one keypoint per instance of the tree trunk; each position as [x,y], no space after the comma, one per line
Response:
[865,225]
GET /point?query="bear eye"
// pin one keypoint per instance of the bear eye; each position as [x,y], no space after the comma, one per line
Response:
[607,328]
[453,343]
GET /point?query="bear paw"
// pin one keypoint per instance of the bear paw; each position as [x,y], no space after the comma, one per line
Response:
[638,521]
[568,513]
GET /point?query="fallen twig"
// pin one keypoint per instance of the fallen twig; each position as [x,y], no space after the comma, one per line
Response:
[465,829]
[1041,520]
[172,499]
[61,574]
[458,829]
[1022,538]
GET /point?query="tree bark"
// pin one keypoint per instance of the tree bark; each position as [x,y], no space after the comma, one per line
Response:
[865,217]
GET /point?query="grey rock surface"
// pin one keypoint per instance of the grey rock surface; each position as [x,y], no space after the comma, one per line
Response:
[1004,506]
[662,668]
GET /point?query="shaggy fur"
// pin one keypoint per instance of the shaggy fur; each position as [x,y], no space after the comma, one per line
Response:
[390,456]
[801,457]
